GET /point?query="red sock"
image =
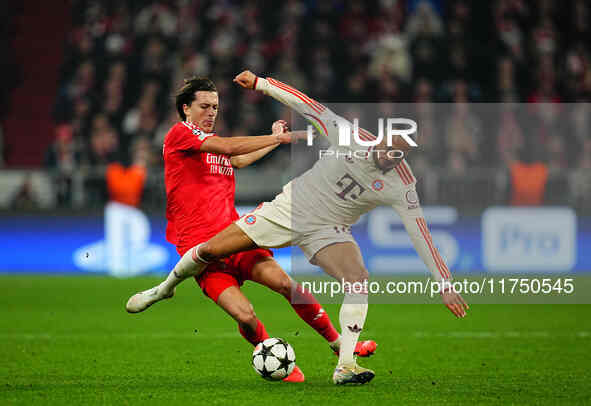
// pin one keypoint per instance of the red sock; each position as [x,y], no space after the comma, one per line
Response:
[309,310]
[259,334]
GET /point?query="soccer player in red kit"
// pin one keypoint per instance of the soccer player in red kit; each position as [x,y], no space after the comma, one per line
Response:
[199,177]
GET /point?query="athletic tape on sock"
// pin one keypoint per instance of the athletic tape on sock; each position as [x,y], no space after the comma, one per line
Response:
[195,254]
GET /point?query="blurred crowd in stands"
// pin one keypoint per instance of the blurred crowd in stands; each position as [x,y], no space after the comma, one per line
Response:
[125,59]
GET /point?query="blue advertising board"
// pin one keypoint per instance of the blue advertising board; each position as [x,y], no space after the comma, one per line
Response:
[126,242]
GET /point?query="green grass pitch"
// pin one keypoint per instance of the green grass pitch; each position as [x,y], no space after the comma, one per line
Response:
[69,341]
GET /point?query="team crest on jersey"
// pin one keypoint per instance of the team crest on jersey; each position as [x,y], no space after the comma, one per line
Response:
[377,185]
[250,219]
[412,199]
[196,131]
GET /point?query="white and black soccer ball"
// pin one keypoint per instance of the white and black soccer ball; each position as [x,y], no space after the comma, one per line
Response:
[273,359]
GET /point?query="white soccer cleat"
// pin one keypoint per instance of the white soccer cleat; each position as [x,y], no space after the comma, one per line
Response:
[352,375]
[141,301]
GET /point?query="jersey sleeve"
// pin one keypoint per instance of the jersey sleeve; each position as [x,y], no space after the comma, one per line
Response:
[317,114]
[188,138]
[325,121]
[416,226]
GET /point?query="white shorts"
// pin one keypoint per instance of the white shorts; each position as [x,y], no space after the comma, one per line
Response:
[269,226]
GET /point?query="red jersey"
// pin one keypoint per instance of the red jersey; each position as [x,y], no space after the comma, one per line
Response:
[199,187]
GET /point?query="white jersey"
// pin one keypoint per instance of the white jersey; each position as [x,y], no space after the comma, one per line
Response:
[317,208]
[340,189]
[341,186]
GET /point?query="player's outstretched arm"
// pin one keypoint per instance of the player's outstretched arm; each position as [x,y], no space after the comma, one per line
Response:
[240,161]
[282,92]
[244,145]
[317,114]
[420,236]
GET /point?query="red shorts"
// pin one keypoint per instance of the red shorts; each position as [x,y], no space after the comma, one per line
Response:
[231,271]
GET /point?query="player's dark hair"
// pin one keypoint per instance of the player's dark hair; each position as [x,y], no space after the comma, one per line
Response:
[186,94]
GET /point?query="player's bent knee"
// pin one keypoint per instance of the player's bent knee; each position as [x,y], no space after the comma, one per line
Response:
[284,287]
[209,252]
[358,275]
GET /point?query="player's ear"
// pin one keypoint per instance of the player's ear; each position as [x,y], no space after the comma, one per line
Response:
[186,109]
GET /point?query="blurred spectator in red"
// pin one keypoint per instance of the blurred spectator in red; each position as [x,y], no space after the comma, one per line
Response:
[62,159]
[353,24]
[529,178]
[126,185]
[61,154]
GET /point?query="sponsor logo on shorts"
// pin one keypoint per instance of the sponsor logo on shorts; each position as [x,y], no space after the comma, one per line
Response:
[412,199]
[342,229]
[377,185]
[250,219]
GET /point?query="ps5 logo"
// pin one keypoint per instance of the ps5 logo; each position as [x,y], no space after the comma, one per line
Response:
[385,233]
[126,249]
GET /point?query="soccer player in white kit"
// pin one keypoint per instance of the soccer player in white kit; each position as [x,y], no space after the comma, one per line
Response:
[315,212]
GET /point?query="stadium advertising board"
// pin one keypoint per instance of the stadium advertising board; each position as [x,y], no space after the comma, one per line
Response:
[126,242]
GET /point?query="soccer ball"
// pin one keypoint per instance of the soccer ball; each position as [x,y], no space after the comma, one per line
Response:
[273,359]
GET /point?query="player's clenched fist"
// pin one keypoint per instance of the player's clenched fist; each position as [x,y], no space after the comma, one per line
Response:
[281,131]
[246,79]
[279,126]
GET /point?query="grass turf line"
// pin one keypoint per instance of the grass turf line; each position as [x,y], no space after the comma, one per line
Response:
[68,340]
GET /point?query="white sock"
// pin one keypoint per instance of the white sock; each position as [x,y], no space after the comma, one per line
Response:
[336,344]
[190,264]
[352,318]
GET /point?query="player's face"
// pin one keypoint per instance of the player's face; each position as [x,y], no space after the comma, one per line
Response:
[204,110]
[386,158]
